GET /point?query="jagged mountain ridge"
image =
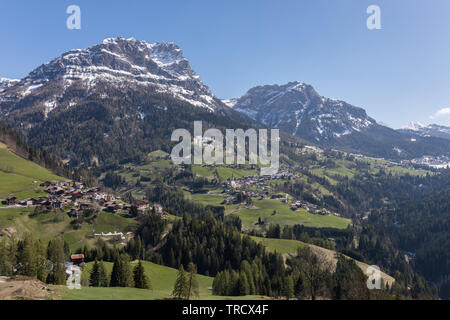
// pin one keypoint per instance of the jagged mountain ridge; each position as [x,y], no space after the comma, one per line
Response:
[431,130]
[117,61]
[5,83]
[116,99]
[113,91]
[297,109]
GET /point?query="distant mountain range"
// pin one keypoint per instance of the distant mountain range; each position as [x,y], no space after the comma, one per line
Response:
[123,97]
[298,109]
[432,130]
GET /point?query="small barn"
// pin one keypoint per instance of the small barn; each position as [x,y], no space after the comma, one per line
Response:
[11,200]
[77,259]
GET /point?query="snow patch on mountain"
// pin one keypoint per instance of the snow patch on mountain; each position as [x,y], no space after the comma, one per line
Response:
[432,130]
[120,62]
[229,102]
[298,109]
[6,83]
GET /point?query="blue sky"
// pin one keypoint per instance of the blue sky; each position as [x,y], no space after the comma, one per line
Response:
[400,73]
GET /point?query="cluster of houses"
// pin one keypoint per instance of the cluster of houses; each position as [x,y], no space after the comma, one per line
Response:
[113,234]
[74,194]
[259,182]
[144,206]
[64,194]
[311,208]
[45,202]
[248,186]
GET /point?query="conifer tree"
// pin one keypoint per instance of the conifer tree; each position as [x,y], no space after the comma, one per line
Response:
[121,273]
[94,278]
[246,268]
[55,253]
[126,270]
[12,254]
[287,290]
[5,259]
[193,289]
[27,257]
[141,280]
[233,283]
[243,284]
[218,284]
[102,276]
[42,270]
[299,287]
[181,285]
[116,276]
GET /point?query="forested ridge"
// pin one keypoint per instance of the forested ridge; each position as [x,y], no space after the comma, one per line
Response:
[406,215]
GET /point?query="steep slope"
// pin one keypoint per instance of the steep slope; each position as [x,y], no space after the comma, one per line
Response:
[116,61]
[21,168]
[21,177]
[298,109]
[117,99]
[289,247]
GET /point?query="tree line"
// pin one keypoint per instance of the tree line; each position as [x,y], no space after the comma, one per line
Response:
[30,257]
[122,275]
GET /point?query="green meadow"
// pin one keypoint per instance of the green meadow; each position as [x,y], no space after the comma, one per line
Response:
[20,177]
[265,208]
[224,172]
[162,279]
[280,245]
[47,226]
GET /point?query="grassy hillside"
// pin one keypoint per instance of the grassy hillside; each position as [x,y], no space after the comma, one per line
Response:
[265,208]
[282,246]
[46,226]
[224,172]
[21,177]
[161,277]
[285,246]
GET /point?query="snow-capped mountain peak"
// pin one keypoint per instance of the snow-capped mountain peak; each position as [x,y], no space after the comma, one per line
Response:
[116,62]
[229,102]
[414,125]
[298,109]
[6,83]
[431,130]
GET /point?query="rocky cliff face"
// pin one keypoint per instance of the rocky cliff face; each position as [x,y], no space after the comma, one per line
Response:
[118,63]
[432,130]
[297,109]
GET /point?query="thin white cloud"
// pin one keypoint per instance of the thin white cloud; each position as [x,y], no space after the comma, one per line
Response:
[441,113]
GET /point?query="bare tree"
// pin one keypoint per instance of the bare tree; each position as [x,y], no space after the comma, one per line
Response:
[316,268]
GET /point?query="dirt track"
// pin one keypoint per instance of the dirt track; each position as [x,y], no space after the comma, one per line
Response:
[23,288]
